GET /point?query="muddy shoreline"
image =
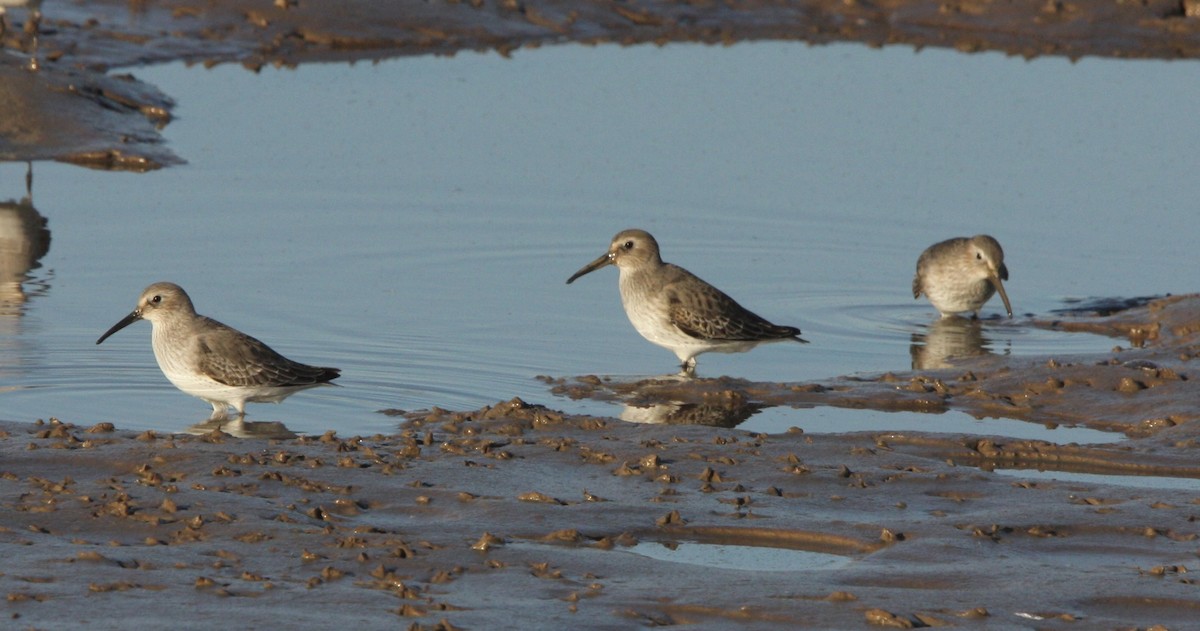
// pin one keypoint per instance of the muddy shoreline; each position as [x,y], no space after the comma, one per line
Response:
[517,512]
[76,108]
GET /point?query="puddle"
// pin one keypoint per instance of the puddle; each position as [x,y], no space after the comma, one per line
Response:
[1137,481]
[744,558]
[744,549]
[830,420]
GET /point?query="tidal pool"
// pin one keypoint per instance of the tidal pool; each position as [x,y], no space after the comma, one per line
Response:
[744,558]
[413,222]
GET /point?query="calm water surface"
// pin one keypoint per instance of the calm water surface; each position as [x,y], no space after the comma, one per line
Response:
[413,222]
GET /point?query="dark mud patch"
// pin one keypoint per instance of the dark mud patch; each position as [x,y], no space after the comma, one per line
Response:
[988,454]
[289,32]
[82,117]
[1092,307]
[77,43]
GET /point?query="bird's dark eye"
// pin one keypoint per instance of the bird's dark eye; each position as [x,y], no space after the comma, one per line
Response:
[155,300]
[628,245]
[978,256]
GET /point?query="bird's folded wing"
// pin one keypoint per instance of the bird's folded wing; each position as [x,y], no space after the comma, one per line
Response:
[233,362]
[708,314]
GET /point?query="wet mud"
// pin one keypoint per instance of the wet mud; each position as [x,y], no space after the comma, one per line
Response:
[516,511]
[74,46]
[82,117]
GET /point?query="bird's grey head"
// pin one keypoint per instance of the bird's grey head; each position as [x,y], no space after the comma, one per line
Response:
[156,301]
[162,298]
[988,254]
[630,249]
[988,257]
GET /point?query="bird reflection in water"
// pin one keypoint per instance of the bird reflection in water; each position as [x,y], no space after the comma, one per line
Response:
[241,428]
[26,38]
[947,341]
[24,240]
[727,414]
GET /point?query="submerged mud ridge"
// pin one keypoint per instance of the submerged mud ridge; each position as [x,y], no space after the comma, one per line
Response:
[520,515]
[75,44]
[82,117]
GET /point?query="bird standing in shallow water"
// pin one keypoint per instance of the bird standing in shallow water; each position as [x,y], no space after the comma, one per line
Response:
[214,362]
[673,308]
[960,274]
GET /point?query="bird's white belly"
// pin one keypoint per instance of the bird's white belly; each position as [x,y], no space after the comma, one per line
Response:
[213,391]
[651,319]
[951,293]
[181,374]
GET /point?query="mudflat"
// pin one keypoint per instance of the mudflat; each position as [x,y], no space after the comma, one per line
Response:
[517,515]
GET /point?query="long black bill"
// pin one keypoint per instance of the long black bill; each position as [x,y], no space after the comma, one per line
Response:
[126,321]
[1003,294]
[591,267]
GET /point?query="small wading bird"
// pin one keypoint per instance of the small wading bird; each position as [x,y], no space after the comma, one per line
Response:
[214,362]
[673,308]
[960,274]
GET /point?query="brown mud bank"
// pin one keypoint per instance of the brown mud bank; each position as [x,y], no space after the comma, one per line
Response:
[74,45]
[516,515]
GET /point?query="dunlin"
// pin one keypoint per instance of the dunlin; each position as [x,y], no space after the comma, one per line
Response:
[960,274]
[673,308]
[214,362]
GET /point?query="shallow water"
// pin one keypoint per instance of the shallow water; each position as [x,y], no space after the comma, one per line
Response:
[1088,479]
[830,420]
[745,558]
[413,222]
